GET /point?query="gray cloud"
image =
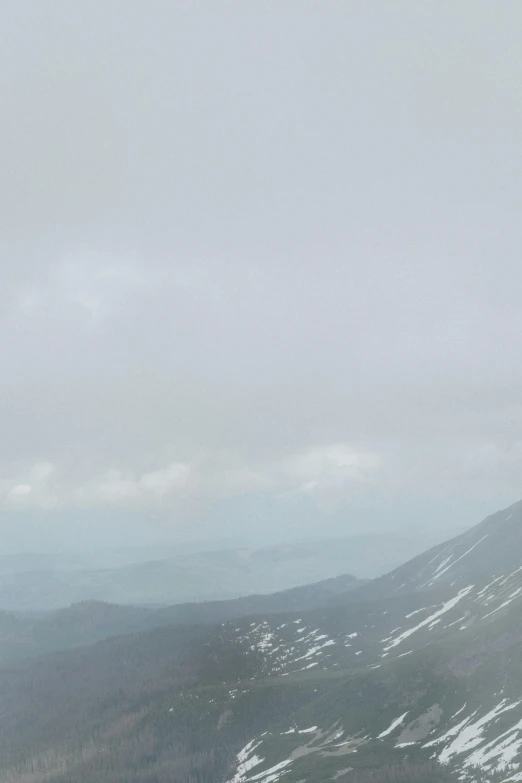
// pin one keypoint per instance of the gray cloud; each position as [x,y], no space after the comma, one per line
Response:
[256,249]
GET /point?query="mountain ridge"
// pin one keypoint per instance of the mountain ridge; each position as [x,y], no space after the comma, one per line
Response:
[91,621]
[410,674]
[198,576]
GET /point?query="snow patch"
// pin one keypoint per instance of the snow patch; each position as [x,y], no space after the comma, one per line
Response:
[439,573]
[429,620]
[392,726]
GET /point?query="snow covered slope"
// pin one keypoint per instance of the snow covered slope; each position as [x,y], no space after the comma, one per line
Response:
[421,673]
[488,550]
[457,701]
[432,656]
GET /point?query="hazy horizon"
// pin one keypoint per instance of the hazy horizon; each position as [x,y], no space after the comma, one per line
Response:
[260,270]
[137,532]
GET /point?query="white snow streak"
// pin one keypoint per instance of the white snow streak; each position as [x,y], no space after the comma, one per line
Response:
[437,575]
[273,773]
[505,603]
[245,764]
[470,735]
[429,620]
[392,726]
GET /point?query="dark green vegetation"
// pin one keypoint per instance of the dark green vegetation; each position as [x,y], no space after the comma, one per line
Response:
[24,635]
[415,677]
[171,704]
[405,772]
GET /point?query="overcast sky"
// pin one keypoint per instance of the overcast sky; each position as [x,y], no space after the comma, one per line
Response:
[260,264]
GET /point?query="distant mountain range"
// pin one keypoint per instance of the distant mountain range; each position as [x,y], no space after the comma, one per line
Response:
[415,676]
[39,582]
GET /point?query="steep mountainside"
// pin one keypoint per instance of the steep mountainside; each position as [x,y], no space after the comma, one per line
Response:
[420,684]
[488,550]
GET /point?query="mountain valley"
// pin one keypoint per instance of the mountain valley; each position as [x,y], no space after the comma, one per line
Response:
[416,675]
